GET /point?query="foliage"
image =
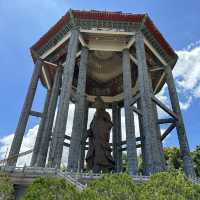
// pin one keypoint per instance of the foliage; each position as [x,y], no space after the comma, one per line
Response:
[140,164]
[124,161]
[173,158]
[161,186]
[111,187]
[6,188]
[51,189]
[169,186]
[196,160]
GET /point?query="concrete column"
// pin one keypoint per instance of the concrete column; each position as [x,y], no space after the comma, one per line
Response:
[142,138]
[83,138]
[117,137]
[129,118]
[153,161]
[162,166]
[40,130]
[19,133]
[47,131]
[159,141]
[77,130]
[56,148]
[183,142]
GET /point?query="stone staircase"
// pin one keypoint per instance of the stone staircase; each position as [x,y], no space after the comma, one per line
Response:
[22,177]
[26,175]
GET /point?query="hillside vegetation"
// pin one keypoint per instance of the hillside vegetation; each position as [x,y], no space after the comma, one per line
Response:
[6,188]
[161,186]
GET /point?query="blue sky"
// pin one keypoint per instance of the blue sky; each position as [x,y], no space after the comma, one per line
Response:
[22,22]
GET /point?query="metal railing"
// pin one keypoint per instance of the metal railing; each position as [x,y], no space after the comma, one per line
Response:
[72,177]
[40,171]
[194,180]
[4,161]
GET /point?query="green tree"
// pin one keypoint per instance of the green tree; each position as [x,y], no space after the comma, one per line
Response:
[173,158]
[51,189]
[196,160]
[169,186]
[124,161]
[140,164]
[6,187]
[111,187]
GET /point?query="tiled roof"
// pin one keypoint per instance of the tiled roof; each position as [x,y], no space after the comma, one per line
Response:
[105,15]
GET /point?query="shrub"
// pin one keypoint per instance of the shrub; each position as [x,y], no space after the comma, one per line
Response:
[51,189]
[111,187]
[169,186]
[161,186]
[6,188]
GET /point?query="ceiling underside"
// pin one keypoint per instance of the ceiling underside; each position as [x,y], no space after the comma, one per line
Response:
[105,44]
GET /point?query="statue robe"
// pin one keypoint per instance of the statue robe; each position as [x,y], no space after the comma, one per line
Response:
[99,152]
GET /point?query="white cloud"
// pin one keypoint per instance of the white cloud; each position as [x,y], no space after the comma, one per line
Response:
[29,138]
[196,92]
[163,97]
[185,105]
[187,77]
[186,73]
[27,144]
[187,69]
[29,141]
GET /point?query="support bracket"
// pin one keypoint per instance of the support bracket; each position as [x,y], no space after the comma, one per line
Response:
[165,108]
[35,113]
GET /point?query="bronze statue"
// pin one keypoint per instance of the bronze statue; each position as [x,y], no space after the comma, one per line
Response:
[99,153]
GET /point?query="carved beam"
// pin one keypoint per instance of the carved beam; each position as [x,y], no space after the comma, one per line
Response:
[130,42]
[165,108]
[35,113]
[167,131]
[135,99]
[165,121]
[156,69]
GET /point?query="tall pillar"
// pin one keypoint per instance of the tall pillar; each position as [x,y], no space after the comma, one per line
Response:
[183,142]
[158,132]
[19,133]
[47,130]
[83,138]
[159,141]
[40,130]
[153,160]
[142,138]
[74,152]
[56,148]
[117,137]
[129,118]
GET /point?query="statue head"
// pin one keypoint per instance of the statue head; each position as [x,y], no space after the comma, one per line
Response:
[99,103]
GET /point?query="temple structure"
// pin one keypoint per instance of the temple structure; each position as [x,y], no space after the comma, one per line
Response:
[122,58]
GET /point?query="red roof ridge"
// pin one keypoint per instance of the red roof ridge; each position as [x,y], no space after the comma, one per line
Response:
[106,15]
